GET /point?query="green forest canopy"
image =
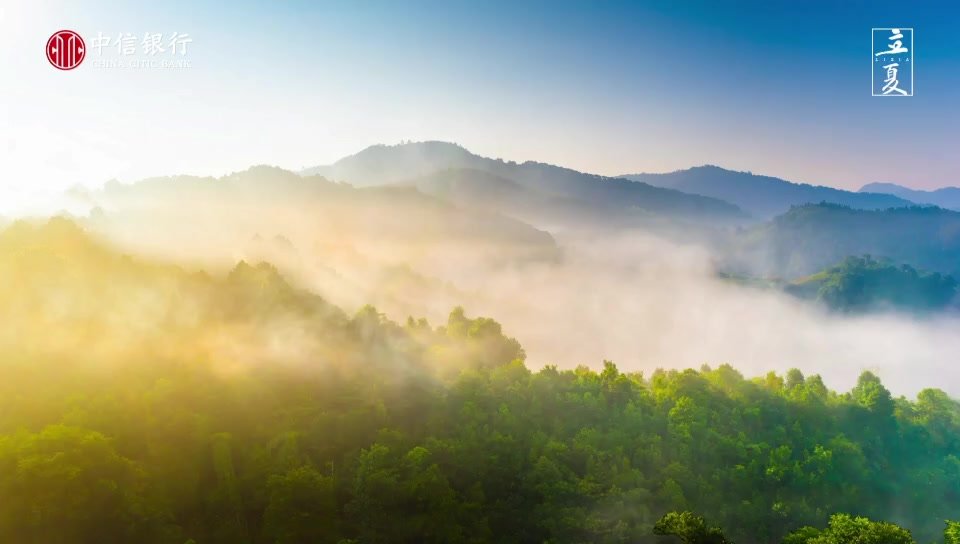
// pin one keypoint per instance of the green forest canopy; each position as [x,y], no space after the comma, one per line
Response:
[144,403]
[690,528]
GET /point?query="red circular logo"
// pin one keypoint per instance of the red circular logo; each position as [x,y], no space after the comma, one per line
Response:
[66,50]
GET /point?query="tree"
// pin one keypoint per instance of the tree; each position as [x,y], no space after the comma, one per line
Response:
[302,507]
[872,395]
[951,535]
[68,484]
[689,528]
[846,529]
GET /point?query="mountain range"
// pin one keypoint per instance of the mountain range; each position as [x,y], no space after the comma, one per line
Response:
[947,197]
[438,192]
[763,196]
[586,194]
[539,192]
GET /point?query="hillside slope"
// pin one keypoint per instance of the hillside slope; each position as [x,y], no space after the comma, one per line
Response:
[480,190]
[309,210]
[384,165]
[812,237]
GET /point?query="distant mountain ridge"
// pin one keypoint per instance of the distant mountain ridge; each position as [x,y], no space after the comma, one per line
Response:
[385,165]
[382,164]
[946,197]
[763,196]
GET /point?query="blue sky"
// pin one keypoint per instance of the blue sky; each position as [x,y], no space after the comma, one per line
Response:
[780,88]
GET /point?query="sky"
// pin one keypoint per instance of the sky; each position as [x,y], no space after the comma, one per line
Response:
[774,87]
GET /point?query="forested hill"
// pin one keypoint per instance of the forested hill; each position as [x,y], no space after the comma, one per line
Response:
[860,284]
[141,402]
[810,238]
[690,528]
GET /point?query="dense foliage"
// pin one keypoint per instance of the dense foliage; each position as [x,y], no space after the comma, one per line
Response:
[145,403]
[689,528]
[863,283]
[841,529]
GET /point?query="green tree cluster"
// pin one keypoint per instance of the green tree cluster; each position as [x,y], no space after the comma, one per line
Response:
[860,284]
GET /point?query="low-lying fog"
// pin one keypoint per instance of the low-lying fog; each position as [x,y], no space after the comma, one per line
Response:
[630,297]
[645,303]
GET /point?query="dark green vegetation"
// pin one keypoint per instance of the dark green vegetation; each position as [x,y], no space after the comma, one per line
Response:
[689,528]
[145,403]
[860,284]
[842,529]
[810,238]
[764,196]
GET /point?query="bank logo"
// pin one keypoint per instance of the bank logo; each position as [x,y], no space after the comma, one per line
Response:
[66,50]
[892,61]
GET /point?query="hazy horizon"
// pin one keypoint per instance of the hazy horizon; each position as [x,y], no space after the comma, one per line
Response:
[97,185]
[613,89]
